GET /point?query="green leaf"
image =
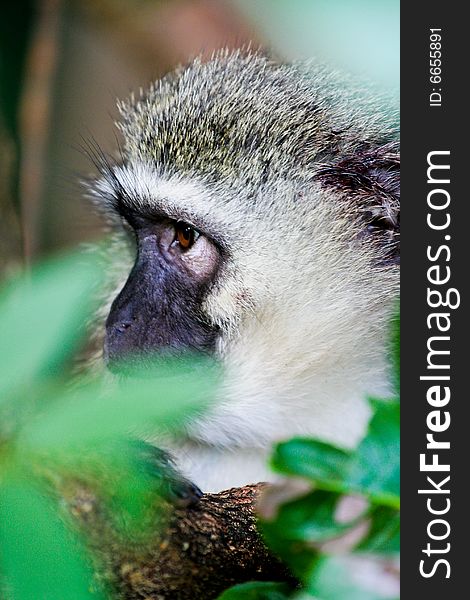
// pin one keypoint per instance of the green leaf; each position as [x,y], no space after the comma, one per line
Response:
[300,524]
[256,590]
[299,555]
[373,470]
[339,578]
[375,466]
[321,462]
[90,416]
[41,319]
[310,518]
[39,557]
[384,533]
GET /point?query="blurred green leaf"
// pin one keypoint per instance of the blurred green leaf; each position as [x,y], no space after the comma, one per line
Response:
[384,533]
[39,558]
[337,578]
[311,517]
[319,461]
[256,590]
[298,525]
[133,502]
[300,555]
[375,466]
[130,480]
[42,317]
[90,416]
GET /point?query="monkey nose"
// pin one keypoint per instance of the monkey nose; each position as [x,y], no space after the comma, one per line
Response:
[118,342]
[122,326]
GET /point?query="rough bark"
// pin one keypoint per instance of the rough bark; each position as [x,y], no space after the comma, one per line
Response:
[202,550]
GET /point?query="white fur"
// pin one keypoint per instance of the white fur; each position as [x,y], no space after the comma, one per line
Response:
[303,314]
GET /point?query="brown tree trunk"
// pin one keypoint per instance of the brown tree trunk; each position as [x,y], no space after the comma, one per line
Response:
[202,550]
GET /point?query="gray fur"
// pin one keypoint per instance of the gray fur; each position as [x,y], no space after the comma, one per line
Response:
[244,118]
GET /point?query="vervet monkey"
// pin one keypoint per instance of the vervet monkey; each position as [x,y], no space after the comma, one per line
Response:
[264,201]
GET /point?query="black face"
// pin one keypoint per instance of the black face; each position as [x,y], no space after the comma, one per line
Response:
[159,307]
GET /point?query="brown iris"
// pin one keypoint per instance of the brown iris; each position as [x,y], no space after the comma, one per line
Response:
[185,235]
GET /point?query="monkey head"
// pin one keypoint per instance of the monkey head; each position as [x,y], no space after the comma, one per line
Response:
[262,204]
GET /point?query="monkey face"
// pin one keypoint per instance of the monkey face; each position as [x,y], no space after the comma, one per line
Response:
[159,307]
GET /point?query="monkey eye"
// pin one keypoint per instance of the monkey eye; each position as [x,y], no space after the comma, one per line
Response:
[185,235]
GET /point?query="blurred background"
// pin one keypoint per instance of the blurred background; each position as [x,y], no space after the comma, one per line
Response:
[63,64]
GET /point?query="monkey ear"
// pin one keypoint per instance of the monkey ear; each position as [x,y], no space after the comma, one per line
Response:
[370,178]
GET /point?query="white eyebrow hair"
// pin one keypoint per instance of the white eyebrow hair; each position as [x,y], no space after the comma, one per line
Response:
[142,187]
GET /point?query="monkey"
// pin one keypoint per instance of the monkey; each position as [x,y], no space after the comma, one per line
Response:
[262,201]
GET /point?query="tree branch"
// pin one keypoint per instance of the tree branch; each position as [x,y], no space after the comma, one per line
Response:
[202,550]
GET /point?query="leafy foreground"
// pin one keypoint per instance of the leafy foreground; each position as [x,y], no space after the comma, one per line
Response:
[54,427]
[336,557]
[51,429]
